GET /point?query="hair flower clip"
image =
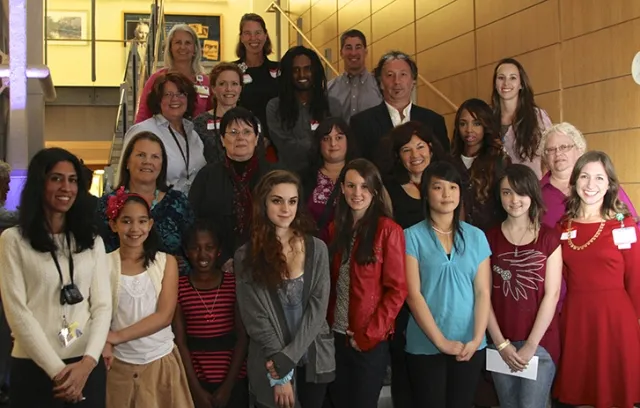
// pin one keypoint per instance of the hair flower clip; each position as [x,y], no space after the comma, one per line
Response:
[116,202]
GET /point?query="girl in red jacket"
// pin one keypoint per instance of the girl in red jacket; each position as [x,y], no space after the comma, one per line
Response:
[368,285]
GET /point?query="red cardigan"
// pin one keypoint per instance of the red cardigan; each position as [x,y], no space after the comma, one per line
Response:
[377,291]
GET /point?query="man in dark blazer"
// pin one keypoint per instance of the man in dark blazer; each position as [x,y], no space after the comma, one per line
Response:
[397,74]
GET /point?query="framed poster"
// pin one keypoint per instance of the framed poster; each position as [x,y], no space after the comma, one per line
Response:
[67,25]
[207,27]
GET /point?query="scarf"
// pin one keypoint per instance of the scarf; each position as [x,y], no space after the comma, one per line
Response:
[242,196]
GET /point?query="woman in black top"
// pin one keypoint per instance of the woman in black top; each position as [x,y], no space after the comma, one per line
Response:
[260,75]
[403,155]
[222,192]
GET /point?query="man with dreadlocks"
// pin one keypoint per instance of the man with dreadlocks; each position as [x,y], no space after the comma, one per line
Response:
[300,106]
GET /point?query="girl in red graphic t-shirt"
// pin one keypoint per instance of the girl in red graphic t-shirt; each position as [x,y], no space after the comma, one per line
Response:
[526,262]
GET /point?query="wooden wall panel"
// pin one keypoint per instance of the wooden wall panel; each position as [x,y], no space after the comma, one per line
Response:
[378,4]
[542,67]
[624,149]
[448,22]
[488,11]
[335,50]
[325,31]
[342,3]
[458,88]
[322,9]
[633,191]
[392,18]
[533,28]
[600,55]
[403,39]
[306,21]
[424,7]
[447,59]
[603,106]
[550,102]
[448,121]
[298,7]
[585,16]
[352,14]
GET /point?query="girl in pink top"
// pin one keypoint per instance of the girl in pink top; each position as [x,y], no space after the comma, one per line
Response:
[522,122]
[182,53]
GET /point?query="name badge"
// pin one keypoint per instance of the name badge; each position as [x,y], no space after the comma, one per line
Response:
[246,78]
[274,73]
[624,237]
[314,125]
[69,334]
[569,234]
[202,90]
[213,124]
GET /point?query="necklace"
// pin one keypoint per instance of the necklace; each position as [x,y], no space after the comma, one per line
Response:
[520,241]
[210,317]
[441,231]
[589,242]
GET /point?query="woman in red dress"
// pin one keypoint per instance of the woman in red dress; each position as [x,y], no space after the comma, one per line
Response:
[600,331]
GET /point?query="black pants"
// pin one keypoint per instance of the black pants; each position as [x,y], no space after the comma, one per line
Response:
[31,387]
[310,395]
[359,375]
[239,397]
[439,381]
[401,393]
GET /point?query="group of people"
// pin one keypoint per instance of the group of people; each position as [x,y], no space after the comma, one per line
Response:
[278,242]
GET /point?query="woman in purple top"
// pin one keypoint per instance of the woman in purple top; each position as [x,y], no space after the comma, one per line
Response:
[560,147]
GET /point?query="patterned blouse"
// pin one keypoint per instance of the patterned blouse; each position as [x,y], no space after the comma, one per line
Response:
[172,217]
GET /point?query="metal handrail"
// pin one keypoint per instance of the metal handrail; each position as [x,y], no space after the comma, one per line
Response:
[40,72]
[121,114]
[273,6]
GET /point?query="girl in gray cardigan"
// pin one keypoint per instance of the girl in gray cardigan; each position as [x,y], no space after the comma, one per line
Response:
[283,291]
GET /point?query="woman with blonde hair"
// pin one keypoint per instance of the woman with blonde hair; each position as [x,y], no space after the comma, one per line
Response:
[182,53]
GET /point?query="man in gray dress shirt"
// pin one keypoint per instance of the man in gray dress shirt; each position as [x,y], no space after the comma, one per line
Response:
[356,89]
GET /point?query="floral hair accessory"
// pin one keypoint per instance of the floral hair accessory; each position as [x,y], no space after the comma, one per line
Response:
[116,202]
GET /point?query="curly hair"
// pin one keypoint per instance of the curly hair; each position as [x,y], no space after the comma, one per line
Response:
[388,151]
[184,85]
[318,105]
[482,173]
[611,203]
[526,121]
[267,261]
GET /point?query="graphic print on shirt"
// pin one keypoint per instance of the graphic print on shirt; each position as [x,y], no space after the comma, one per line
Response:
[521,274]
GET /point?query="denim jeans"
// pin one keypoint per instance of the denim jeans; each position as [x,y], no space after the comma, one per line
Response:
[516,392]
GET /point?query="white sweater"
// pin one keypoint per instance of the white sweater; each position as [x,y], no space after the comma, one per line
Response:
[30,288]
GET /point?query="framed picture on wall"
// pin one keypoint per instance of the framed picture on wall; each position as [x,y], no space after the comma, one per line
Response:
[67,27]
[136,27]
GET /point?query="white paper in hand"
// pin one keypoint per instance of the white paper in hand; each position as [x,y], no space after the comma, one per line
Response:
[496,364]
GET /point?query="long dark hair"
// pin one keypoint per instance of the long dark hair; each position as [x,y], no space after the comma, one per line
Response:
[611,204]
[152,242]
[241,50]
[388,152]
[523,182]
[482,173]
[78,220]
[446,171]
[124,174]
[525,122]
[266,261]
[367,226]
[319,106]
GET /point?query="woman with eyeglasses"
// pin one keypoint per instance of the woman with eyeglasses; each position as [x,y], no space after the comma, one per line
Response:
[222,191]
[260,75]
[182,54]
[170,100]
[55,289]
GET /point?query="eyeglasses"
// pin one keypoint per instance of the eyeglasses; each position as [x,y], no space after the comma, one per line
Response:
[170,95]
[244,132]
[249,33]
[560,149]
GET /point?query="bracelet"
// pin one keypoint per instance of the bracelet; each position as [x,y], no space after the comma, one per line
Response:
[282,381]
[503,345]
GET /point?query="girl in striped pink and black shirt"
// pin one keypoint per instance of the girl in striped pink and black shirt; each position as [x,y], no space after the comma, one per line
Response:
[209,333]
